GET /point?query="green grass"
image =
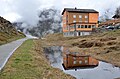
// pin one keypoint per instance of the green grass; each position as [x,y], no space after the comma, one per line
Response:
[6,38]
[29,62]
[19,65]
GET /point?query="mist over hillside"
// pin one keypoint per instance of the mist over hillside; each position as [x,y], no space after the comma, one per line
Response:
[49,22]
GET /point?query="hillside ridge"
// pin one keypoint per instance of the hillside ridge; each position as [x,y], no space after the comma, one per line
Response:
[8,32]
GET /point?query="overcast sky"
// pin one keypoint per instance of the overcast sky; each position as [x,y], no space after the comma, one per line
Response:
[27,10]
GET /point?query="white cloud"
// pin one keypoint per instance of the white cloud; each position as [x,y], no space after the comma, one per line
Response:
[26,10]
[11,16]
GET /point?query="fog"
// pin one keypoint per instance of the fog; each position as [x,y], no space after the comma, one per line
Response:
[27,10]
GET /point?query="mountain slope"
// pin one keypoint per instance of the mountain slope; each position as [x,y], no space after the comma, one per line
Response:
[8,32]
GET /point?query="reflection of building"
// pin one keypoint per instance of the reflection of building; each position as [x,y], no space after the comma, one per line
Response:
[72,60]
[78,22]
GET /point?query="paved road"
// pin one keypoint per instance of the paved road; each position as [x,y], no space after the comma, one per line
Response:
[7,50]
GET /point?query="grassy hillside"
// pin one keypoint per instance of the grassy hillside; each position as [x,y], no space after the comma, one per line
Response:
[104,46]
[7,32]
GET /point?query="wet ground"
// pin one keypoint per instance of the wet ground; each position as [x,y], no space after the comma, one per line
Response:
[102,70]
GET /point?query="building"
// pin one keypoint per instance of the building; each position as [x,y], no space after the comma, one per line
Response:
[76,60]
[78,22]
[113,22]
[116,16]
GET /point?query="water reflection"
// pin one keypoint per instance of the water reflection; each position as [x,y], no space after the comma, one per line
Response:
[87,67]
[53,54]
[75,60]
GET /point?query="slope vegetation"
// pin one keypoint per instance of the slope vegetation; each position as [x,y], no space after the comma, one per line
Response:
[7,32]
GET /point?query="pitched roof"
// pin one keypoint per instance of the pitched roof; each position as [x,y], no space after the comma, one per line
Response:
[79,10]
[116,16]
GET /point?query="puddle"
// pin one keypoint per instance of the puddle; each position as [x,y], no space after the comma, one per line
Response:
[80,65]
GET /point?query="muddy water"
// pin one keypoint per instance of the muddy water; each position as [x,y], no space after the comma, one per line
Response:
[100,70]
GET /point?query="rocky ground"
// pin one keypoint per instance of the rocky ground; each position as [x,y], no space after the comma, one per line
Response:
[103,46]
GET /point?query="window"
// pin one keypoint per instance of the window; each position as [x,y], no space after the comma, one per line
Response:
[86,16]
[82,26]
[85,26]
[86,61]
[74,21]
[78,26]
[71,27]
[80,16]
[80,19]
[74,16]
[74,62]
[80,62]
[89,26]
[67,21]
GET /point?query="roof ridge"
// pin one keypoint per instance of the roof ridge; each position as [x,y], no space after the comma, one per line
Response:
[79,10]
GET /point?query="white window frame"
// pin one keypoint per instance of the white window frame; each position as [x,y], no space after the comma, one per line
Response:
[80,62]
[74,16]
[80,16]
[86,16]
[74,21]
[86,61]
[74,62]
[86,21]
